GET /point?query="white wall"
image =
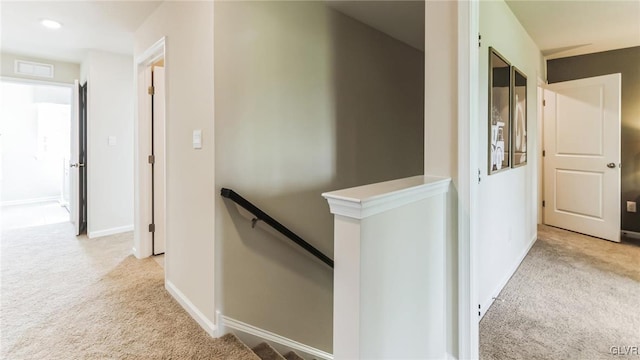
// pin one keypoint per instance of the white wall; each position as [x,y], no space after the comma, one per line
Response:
[191,194]
[109,167]
[401,304]
[63,72]
[507,200]
[307,101]
[441,136]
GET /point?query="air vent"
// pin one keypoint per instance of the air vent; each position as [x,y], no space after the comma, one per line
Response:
[30,68]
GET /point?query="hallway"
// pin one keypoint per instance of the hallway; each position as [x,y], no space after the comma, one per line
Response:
[68,297]
[38,214]
[573,297]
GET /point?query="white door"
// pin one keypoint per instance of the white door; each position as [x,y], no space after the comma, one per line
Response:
[159,163]
[74,159]
[582,156]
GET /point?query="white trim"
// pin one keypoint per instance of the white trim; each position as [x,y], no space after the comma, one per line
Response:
[142,140]
[195,313]
[35,81]
[30,201]
[364,201]
[112,231]
[228,323]
[631,234]
[486,304]
[468,88]
[153,53]
[540,143]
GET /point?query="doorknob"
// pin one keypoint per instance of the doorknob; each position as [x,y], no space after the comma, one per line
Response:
[611,165]
[76,165]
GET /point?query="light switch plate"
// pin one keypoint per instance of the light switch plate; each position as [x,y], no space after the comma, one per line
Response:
[197,139]
[631,206]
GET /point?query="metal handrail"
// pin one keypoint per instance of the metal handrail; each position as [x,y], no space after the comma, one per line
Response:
[262,216]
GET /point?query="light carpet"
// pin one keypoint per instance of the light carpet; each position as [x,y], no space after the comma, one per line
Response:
[573,297]
[64,297]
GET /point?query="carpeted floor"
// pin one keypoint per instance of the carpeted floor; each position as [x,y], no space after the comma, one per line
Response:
[573,297]
[36,214]
[64,297]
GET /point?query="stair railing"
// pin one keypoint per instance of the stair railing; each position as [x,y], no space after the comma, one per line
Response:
[264,217]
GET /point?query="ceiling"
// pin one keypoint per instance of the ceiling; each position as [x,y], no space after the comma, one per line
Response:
[87,25]
[402,20]
[560,28]
[568,28]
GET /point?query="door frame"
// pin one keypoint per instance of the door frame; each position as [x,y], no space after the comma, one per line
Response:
[35,81]
[158,146]
[83,211]
[468,147]
[540,164]
[142,239]
[74,106]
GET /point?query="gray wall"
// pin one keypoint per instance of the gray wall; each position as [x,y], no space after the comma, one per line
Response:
[626,62]
[307,101]
[189,186]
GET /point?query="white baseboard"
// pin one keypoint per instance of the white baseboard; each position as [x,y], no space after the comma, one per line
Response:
[631,234]
[252,336]
[112,231]
[30,201]
[486,303]
[136,253]
[195,313]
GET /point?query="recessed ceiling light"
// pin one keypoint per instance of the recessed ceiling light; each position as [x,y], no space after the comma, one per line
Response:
[50,24]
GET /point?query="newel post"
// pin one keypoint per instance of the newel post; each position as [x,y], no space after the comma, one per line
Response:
[389,276]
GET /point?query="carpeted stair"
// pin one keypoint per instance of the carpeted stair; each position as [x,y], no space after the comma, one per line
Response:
[292,356]
[261,351]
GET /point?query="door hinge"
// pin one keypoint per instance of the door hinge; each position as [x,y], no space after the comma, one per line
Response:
[479,177]
[543,203]
[544,102]
[544,153]
[152,159]
[152,227]
[479,310]
[479,40]
[151,90]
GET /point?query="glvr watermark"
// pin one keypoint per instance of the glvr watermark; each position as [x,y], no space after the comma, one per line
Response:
[625,350]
